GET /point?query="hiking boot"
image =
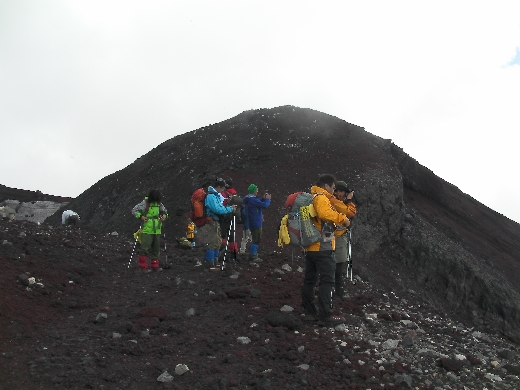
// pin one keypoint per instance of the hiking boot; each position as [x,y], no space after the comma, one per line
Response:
[310,317]
[341,296]
[145,270]
[332,321]
[255,259]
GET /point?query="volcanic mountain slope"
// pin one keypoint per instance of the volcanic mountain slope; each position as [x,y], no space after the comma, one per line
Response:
[414,231]
[76,314]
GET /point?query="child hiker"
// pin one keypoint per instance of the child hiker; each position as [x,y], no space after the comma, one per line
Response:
[152,214]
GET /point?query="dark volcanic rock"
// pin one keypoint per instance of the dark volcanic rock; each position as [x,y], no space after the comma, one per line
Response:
[100,324]
[413,231]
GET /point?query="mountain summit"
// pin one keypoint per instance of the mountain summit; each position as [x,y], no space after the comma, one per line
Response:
[413,232]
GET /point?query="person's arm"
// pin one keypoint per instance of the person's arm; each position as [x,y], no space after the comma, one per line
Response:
[262,203]
[326,213]
[216,207]
[138,209]
[163,212]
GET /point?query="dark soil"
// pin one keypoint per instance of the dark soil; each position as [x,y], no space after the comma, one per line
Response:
[51,338]
[93,320]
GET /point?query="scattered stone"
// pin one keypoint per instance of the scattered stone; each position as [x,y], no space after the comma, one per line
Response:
[512,369]
[286,320]
[507,354]
[24,279]
[243,340]
[493,377]
[181,369]
[451,364]
[190,312]
[286,309]
[403,380]
[101,318]
[408,339]
[390,344]
[165,377]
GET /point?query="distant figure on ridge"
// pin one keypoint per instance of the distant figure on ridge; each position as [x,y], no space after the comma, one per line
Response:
[152,214]
[69,217]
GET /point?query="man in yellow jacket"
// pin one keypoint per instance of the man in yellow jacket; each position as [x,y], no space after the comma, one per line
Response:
[319,261]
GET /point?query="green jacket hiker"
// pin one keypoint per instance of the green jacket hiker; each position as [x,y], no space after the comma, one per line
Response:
[152,213]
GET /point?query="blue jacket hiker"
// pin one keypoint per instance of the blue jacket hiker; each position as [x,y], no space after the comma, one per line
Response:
[210,232]
[253,210]
[152,213]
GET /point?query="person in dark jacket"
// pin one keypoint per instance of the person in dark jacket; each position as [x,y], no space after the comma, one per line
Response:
[254,207]
[152,213]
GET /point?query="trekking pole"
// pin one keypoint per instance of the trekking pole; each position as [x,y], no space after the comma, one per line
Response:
[227,243]
[133,249]
[349,256]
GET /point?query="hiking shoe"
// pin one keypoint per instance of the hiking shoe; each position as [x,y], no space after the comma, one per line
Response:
[157,269]
[310,317]
[332,321]
[341,297]
[145,270]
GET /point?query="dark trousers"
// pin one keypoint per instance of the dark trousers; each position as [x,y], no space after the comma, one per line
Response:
[340,273]
[225,232]
[319,267]
[150,245]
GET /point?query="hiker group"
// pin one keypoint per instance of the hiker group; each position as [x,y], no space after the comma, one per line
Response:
[219,211]
[216,212]
[318,222]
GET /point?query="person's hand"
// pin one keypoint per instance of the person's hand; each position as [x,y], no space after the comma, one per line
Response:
[350,195]
[143,218]
[267,196]
[234,207]
[162,218]
[347,223]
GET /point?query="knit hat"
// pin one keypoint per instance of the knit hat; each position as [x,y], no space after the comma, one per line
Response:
[220,183]
[229,183]
[341,186]
[252,188]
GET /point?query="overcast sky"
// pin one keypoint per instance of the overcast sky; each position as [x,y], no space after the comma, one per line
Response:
[86,86]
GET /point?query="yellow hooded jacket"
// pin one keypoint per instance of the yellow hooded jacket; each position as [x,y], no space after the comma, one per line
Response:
[349,209]
[325,214]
